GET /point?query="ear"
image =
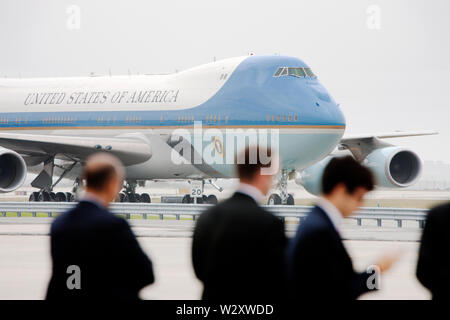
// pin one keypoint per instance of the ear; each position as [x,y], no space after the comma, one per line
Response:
[340,188]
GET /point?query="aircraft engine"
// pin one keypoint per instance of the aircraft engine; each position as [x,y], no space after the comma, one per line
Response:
[393,167]
[311,177]
[13,170]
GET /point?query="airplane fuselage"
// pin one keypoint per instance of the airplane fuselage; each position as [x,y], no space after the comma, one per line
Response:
[256,92]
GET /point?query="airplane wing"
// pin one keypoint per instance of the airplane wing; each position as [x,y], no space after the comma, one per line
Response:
[361,145]
[130,150]
[386,135]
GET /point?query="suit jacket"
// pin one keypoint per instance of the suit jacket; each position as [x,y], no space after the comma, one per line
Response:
[112,264]
[319,266]
[238,252]
[433,267]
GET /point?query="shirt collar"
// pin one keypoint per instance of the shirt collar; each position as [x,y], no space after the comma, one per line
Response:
[93,198]
[331,211]
[251,191]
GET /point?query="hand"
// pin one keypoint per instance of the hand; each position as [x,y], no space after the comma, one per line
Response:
[387,260]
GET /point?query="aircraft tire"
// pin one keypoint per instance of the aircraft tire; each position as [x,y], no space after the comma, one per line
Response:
[145,198]
[123,197]
[187,199]
[274,199]
[44,197]
[68,197]
[290,200]
[211,199]
[132,197]
[34,197]
[60,197]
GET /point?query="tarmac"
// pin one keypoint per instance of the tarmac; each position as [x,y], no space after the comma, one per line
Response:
[25,263]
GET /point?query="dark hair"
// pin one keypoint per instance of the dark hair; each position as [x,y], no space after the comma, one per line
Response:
[348,171]
[98,178]
[250,161]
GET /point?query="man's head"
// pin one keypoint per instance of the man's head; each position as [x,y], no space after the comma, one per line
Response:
[104,176]
[345,182]
[255,167]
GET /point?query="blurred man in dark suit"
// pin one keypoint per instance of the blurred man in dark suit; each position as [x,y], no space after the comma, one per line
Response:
[433,268]
[95,254]
[318,263]
[238,247]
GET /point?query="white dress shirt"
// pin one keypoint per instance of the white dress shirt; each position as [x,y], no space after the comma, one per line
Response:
[332,212]
[251,191]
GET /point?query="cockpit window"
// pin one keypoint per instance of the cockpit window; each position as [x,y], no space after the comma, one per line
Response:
[310,73]
[295,72]
[278,72]
[298,72]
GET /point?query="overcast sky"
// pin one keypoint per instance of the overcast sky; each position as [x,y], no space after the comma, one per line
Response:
[386,62]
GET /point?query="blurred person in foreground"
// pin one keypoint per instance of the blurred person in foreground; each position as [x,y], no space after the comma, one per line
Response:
[238,247]
[433,267]
[95,254]
[319,266]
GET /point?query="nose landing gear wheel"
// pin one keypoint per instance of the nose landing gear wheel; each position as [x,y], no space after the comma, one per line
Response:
[290,200]
[274,199]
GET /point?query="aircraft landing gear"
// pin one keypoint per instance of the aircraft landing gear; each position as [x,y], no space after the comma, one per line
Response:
[211,199]
[130,195]
[196,193]
[34,196]
[61,197]
[44,181]
[187,199]
[275,199]
[145,198]
[45,196]
[70,197]
[283,197]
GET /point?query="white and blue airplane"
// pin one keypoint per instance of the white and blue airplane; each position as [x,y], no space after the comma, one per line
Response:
[50,126]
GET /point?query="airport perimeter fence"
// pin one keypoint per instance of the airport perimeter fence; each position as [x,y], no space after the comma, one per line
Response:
[191,211]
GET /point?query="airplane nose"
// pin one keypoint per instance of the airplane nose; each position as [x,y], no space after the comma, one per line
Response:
[329,111]
[335,114]
[320,92]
